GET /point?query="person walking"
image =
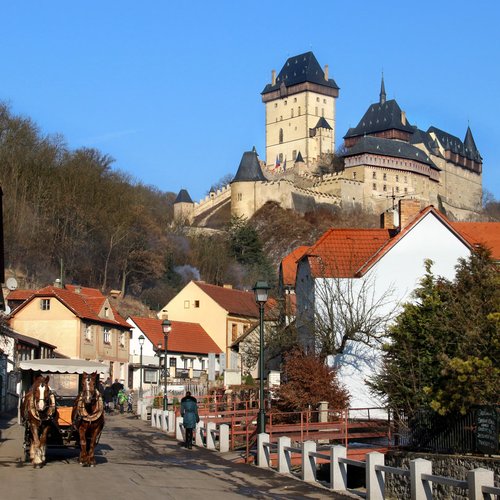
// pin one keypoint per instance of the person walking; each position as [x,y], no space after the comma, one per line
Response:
[189,413]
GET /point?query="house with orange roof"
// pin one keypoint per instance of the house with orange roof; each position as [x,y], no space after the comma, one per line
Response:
[486,234]
[189,351]
[357,277]
[223,312]
[80,321]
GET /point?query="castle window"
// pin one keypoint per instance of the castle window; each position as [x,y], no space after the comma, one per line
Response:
[275,104]
[281,136]
[385,178]
[294,99]
[240,196]
[324,101]
[397,178]
[374,175]
[354,175]
[406,179]
[397,189]
[285,103]
[299,110]
[317,99]
[280,157]
[281,118]
[406,190]
[385,187]
[292,113]
[294,154]
[374,186]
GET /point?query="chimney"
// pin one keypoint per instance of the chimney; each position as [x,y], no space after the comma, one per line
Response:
[389,219]
[78,289]
[326,72]
[57,283]
[163,314]
[403,117]
[227,285]
[408,209]
[273,77]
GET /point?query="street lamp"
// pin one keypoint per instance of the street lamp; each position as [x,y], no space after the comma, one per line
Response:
[261,290]
[141,343]
[166,327]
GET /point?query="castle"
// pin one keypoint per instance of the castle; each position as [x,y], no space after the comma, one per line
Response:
[384,157]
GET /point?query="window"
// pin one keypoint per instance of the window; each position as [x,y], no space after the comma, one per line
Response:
[88,333]
[172,362]
[196,303]
[406,190]
[294,154]
[374,175]
[234,332]
[286,103]
[299,110]
[107,335]
[45,304]
[291,115]
[281,118]
[106,312]
[280,157]
[275,104]
[281,136]
[397,189]
[122,339]
[385,187]
[294,99]
[374,186]
[354,175]
[397,178]
[317,99]
[186,304]
[385,177]
[239,196]
[149,376]
[324,101]
[406,179]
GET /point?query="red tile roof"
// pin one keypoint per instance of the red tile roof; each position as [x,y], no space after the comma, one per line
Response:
[289,265]
[20,294]
[348,253]
[184,337]
[481,233]
[84,306]
[233,301]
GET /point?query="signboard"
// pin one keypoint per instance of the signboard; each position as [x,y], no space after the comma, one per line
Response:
[487,430]
[211,366]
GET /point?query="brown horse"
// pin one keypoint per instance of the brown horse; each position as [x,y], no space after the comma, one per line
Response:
[38,410]
[88,418]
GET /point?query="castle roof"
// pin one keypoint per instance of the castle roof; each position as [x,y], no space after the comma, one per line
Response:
[389,147]
[299,69]
[452,143]
[249,169]
[183,197]
[299,158]
[322,123]
[381,116]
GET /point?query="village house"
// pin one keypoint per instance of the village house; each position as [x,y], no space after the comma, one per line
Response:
[375,270]
[192,357]
[80,321]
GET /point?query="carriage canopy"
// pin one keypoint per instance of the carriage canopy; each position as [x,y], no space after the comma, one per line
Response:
[62,365]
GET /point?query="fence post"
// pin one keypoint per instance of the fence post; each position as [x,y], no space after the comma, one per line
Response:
[154,414]
[262,451]
[308,462]
[284,463]
[478,478]
[164,421]
[420,490]
[224,438]
[170,421]
[323,411]
[179,429]
[198,438]
[338,471]
[375,480]
[210,436]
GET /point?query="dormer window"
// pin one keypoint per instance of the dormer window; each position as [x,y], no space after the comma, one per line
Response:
[45,304]
[106,312]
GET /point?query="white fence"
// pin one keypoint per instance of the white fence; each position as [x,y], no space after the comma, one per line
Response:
[479,483]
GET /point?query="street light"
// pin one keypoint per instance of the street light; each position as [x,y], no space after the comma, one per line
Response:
[166,327]
[141,343]
[261,290]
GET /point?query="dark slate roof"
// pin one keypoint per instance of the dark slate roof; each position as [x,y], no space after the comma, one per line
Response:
[249,169]
[322,123]
[380,117]
[455,145]
[390,147]
[183,197]
[469,143]
[299,158]
[300,69]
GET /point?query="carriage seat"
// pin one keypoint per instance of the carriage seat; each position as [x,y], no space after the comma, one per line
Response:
[64,418]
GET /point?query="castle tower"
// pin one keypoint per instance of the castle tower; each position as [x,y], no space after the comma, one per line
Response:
[300,111]
[245,199]
[183,207]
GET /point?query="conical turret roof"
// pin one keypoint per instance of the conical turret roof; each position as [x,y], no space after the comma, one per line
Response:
[183,197]
[249,169]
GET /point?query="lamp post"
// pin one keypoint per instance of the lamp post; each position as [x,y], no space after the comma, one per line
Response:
[261,290]
[141,343]
[166,327]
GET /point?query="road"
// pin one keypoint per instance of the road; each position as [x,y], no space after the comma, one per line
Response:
[135,461]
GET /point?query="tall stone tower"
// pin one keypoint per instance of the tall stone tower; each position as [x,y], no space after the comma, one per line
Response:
[300,112]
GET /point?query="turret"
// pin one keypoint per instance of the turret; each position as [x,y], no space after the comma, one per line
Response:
[183,207]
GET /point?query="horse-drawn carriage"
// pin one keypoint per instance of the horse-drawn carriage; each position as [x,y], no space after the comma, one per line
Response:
[61,407]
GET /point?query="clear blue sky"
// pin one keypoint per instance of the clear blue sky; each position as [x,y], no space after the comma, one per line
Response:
[171,90]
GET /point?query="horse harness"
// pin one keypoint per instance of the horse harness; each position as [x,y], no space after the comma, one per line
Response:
[44,415]
[96,404]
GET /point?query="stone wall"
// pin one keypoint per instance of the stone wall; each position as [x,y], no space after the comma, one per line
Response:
[453,466]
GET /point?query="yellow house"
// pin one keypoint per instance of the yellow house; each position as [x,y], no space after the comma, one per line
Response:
[80,321]
[224,313]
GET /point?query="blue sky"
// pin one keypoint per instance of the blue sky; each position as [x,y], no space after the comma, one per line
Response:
[171,90]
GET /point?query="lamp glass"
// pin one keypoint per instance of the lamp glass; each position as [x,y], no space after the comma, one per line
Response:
[141,340]
[166,326]
[260,290]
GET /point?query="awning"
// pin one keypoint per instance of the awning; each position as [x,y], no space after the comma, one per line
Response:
[61,365]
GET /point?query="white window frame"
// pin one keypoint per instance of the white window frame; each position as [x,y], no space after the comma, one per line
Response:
[45,304]
[106,334]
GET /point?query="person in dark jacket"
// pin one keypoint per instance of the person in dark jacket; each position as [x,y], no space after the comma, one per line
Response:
[189,413]
[108,398]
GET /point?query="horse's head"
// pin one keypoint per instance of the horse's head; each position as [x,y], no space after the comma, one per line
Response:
[89,387]
[41,393]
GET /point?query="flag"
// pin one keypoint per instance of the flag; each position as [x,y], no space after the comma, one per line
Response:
[277,162]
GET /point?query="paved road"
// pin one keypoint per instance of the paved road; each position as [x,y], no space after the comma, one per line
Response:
[135,461]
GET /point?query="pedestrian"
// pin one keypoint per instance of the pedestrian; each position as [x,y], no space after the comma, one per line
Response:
[108,398]
[189,413]
[116,387]
[122,399]
[130,401]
